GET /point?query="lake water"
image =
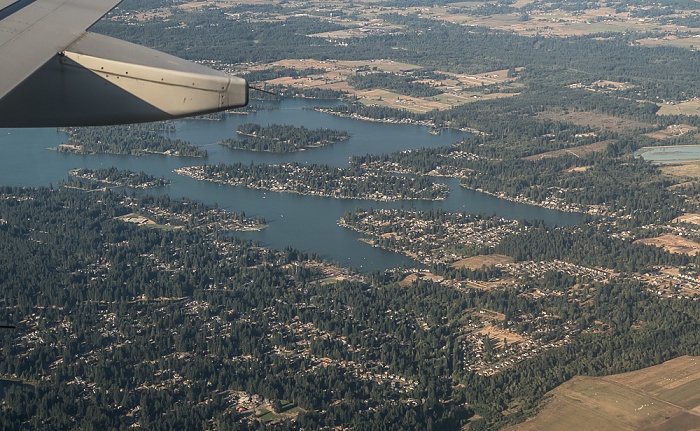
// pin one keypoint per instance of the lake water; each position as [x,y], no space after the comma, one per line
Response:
[670,154]
[305,222]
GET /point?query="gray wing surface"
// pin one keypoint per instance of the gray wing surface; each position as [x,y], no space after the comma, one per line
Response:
[36,32]
[54,73]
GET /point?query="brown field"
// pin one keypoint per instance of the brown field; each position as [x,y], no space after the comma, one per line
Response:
[395,100]
[671,40]
[672,131]
[660,398]
[476,262]
[577,169]
[611,85]
[688,218]
[576,151]
[673,244]
[689,107]
[463,97]
[336,73]
[409,279]
[488,285]
[385,65]
[684,170]
[487,78]
[497,335]
[137,219]
[595,120]
[337,65]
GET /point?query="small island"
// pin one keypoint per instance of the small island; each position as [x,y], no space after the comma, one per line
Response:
[133,139]
[97,179]
[321,180]
[278,138]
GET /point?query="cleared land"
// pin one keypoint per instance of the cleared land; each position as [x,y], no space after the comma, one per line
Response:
[576,151]
[476,262]
[595,120]
[487,78]
[672,131]
[688,218]
[673,244]
[395,100]
[501,336]
[685,170]
[411,278]
[671,40]
[665,397]
[137,219]
[689,107]
[458,89]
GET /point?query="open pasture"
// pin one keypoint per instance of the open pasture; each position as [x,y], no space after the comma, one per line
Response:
[659,398]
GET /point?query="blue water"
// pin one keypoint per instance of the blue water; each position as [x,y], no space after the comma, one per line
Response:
[670,154]
[304,222]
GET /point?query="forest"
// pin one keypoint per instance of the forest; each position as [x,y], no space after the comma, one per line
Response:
[115,327]
[282,138]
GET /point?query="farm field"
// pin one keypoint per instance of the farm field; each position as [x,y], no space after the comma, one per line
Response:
[664,397]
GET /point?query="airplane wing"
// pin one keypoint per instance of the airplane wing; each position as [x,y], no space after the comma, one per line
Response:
[55,73]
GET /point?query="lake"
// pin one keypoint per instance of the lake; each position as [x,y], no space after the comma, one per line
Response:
[304,222]
[670,154]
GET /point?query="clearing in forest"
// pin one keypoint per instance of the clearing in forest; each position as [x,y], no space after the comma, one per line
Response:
[682,170]
[672,131]
[595,120]
[661,398]
[670,40]
[576,151]
[423,275]
[689,107]
[673,244]
[486,78]
[688,218]
[395,100]
[487,260]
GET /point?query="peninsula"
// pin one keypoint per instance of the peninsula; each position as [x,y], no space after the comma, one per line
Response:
[320,180]
[92,179]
